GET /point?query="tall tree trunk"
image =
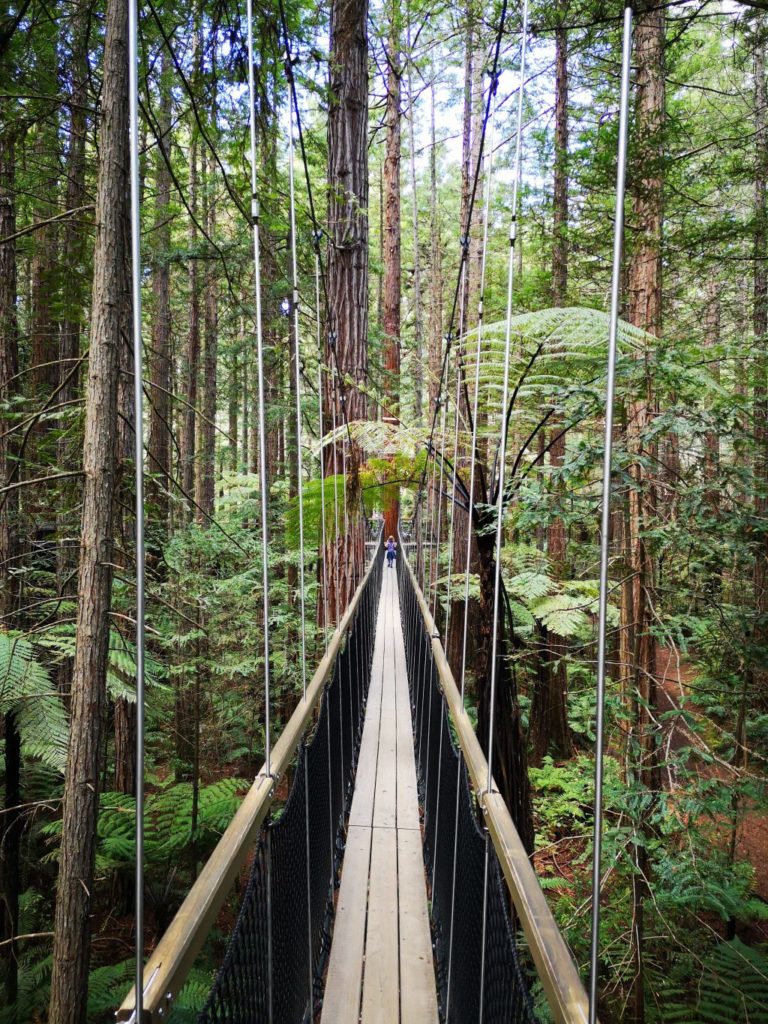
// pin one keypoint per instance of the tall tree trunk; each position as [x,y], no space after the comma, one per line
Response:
[711,342]
[73,296]
[645,295]
[206,478]
[192,358]
[234,405]
[392,263]
[417,366]
[159,443]
[348,267]
[435,264]
[466,153]
[474,108]
[10,821]
[71,944]
[549,713]
[560,190]
[475,228]
[760,328]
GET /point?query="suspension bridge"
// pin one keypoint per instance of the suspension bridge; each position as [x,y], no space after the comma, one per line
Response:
[392,886]
[388,813]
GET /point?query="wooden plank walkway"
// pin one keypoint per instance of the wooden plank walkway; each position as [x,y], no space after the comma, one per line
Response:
[381,969]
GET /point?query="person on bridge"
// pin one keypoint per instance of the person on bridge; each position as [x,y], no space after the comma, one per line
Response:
[391,551]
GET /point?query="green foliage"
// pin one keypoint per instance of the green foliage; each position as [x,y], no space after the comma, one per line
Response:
[26,689]
[168,823]
[734,985]
[564,795]
[60,641]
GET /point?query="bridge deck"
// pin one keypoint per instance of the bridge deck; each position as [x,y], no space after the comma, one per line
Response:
[381,969]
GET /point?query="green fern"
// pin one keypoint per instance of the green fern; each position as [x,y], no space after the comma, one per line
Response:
[107,986]
[26,689]
[734,985]
[34,988]
[61,641]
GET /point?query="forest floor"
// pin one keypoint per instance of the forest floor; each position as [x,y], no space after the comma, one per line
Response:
[676,674]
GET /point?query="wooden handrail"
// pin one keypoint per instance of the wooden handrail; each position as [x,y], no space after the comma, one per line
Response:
[173,957]
[556,970]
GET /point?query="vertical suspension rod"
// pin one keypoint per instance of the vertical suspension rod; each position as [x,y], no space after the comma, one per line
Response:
[297,359]
[138,381]
[605,524]
[260,391]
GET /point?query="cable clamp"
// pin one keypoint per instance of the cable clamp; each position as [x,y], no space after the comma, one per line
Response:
[464,243]
[255,210]
[332,339]
[513,231]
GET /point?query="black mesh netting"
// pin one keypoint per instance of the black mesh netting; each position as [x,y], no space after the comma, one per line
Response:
[445,793]
[277,952]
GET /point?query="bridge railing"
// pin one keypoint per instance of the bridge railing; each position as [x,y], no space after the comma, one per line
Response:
[444,775]
[284,915]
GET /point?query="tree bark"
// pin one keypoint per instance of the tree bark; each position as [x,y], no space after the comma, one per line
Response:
[711,343]
[347,275]
[159,442]
[192,354]
[645,297]
[71,944]
[10,822]
[760,328]
[73,295]
[392,260]
[206,477]
[417,366]
[549,711]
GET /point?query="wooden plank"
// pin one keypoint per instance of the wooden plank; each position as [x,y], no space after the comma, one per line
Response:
[361,812]
[418,995]
[381,982]
[407,792]
[341,1002]
[385,799]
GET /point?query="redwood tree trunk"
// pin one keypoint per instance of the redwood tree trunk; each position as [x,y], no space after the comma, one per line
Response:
[347,267]
[417,367]
[192,356]
[206,477]
[760,328]
[549,712]
[10,823]
[73,296]
[392,264]
[159,443]
[645,295]
[71,944]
